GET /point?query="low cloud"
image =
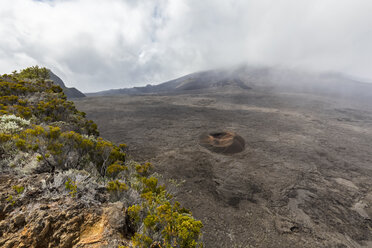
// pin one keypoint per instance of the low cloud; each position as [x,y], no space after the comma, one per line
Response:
[95,45]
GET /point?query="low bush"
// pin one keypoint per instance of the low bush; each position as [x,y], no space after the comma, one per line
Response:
[71,186]
[38,121]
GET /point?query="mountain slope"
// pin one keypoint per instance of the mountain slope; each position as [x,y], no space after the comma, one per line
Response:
[201,81]
[69,92]
[266,78]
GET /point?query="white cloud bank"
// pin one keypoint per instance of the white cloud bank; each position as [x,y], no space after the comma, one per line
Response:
[95,45]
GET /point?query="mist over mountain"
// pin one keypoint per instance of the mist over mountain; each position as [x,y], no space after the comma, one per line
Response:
[97,45]
[248,77]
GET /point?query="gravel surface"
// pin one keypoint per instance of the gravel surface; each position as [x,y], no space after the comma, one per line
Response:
[304,178]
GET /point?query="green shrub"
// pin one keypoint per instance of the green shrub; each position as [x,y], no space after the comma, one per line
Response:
[115,168]
[71,186]
[141,240]
[116,186]
[134,213]
[11,200]
[34,72]
[144,169]
[19,189]
[13,197]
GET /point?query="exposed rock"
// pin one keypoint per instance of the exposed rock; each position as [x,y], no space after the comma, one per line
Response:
[47,216]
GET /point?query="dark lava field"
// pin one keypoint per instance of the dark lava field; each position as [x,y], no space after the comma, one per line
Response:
[303,178]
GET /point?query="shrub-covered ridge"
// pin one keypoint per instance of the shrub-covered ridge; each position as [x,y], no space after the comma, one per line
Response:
[42,132]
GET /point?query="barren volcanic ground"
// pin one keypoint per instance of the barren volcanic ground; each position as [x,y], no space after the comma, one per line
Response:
[304,178]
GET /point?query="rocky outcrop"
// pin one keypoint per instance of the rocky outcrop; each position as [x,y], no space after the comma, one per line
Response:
[45,214]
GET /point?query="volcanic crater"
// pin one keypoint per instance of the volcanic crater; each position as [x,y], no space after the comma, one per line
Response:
[225,142]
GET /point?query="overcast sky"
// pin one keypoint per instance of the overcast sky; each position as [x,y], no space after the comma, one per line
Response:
[101,44]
